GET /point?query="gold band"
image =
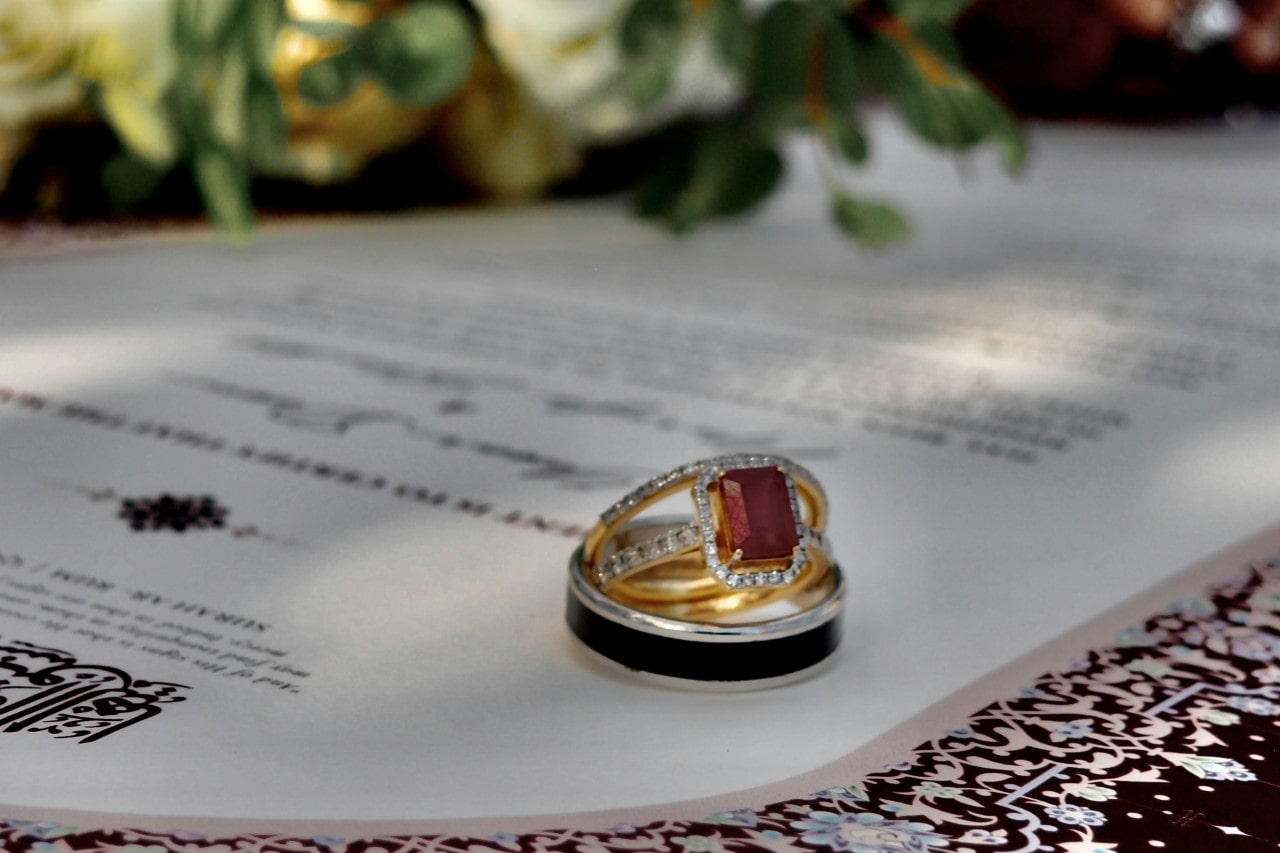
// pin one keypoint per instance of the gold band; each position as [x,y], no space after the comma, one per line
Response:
[680,574]
[679,586]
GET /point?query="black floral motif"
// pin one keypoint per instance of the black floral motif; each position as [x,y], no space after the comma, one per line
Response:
[177,514]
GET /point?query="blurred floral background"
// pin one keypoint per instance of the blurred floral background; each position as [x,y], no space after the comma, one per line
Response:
[138,109]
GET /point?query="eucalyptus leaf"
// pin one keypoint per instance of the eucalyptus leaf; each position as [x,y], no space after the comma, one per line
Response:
[671,171]
[651,75]
[267,127]
[330,80]
[939,100]
[921,11]
[189,104]
[420,56]
[732,34]
[224,185]
[782,52]
[206,24]
[1011,139]
[227,100]
[940,41]
[709,174]
[873,224]
[328,30]
[933,113]
[883,65]
[650,22]
[847,137]
[957,116]
[262,29]
[841,77]
[748,179]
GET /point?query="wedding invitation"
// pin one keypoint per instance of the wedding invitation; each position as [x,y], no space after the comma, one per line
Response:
[284,529]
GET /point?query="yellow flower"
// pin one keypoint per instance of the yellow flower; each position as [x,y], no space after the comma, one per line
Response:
[334,143]
[496,139]
[491,135]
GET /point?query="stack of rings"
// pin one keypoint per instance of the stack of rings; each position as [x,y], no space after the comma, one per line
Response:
[742,593]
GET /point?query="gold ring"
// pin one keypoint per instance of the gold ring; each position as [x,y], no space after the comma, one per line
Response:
[756,536]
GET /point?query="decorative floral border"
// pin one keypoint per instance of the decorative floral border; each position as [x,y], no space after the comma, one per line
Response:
[1169,738]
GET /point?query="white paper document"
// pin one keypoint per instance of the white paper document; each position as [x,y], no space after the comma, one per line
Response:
[292,521]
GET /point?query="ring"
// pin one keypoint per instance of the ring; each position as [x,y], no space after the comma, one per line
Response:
[744,593]
[792,643]
[748,525]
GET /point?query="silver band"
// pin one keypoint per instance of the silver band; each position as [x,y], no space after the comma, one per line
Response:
[746,655]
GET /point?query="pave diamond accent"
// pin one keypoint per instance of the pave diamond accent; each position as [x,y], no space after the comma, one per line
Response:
[635,555]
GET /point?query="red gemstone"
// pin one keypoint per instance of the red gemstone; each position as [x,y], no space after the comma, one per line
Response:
[757,507]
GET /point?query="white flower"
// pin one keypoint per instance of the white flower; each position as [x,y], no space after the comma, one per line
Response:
[126,48]
[51,51]
[566,52]
[36,83]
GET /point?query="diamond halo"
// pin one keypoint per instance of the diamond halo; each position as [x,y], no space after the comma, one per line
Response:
[702,531]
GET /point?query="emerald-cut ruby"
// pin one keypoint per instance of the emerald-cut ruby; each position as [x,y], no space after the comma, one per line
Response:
[758,514]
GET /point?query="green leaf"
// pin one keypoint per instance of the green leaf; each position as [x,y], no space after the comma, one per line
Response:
[781,67]
[847,137]
[955,112]
[873,224]
[650,22]
[1011,140]
[206,24]
[227,100]
[268,128]
[330,80]
[422,55]
[841,78]
[883,65]
[941,41]
[223,182]
[328,30]
[782,52]
[921,11]
[649,77]
[748,179]
[957,116]
[708,174]
[731,34]
[262,28]
[672,171]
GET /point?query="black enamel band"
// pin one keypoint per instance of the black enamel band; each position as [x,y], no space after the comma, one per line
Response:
[741,655]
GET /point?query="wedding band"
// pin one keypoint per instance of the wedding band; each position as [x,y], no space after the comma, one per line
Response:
[757,522]
[795,637]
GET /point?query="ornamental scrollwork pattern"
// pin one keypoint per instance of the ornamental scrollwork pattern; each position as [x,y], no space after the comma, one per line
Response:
[47,691]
